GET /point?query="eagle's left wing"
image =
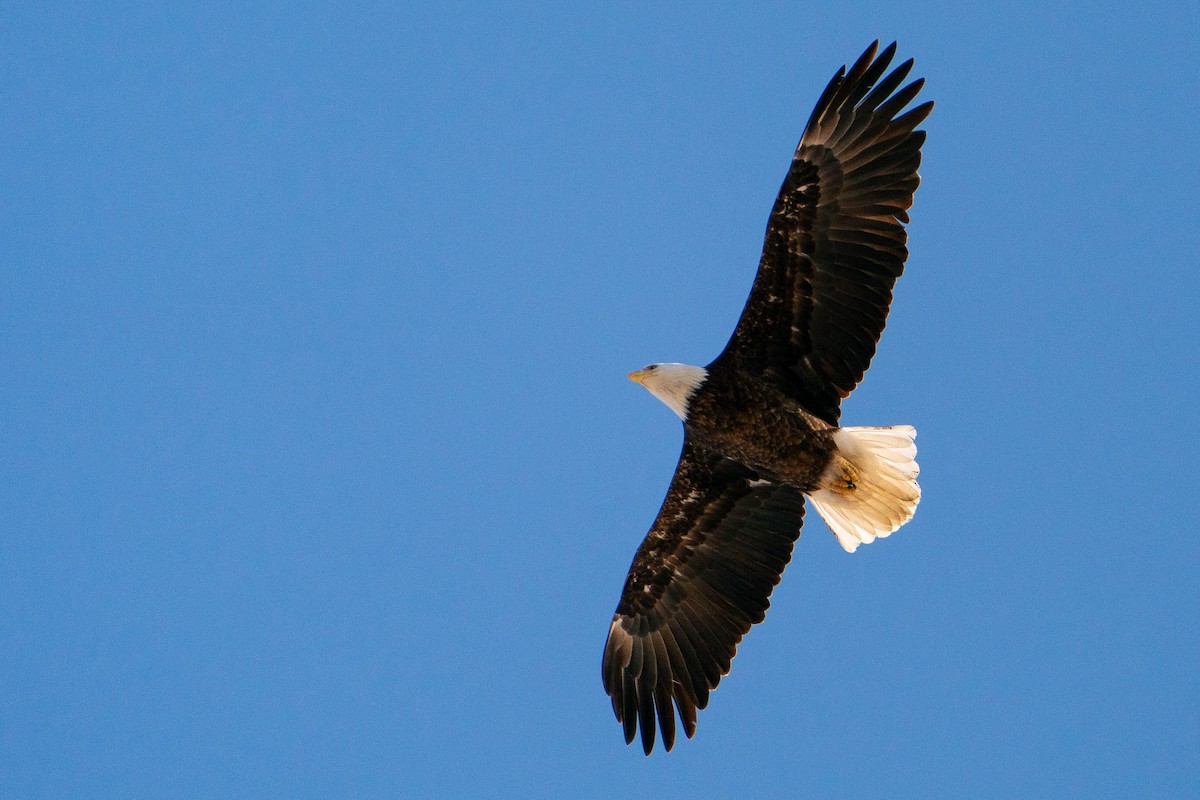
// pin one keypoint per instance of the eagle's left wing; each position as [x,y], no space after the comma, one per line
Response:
[702,576]
[835,241]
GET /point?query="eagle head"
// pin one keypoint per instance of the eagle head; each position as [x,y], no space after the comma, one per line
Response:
[674,384]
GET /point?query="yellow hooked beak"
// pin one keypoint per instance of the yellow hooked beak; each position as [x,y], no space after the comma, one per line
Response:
[638,376]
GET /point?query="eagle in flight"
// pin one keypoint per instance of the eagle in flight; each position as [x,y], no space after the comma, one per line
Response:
[761,421]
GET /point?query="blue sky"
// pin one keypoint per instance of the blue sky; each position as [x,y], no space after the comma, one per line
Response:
[319,471]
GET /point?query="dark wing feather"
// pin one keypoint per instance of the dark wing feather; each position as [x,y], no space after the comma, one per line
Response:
[835,241]
[701,578]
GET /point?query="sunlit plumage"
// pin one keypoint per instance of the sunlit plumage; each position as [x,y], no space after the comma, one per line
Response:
[761,421]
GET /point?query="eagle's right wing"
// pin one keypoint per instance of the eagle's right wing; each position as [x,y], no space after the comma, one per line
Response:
[702,576]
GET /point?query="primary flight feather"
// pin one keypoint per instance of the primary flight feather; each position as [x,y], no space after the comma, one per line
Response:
[761,421]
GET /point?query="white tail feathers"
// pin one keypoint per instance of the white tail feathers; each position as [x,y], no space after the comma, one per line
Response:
[870,487]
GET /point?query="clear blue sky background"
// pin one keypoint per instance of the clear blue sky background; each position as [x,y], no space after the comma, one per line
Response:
[319,471]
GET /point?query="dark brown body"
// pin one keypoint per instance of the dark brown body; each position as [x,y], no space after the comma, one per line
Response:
[751,422]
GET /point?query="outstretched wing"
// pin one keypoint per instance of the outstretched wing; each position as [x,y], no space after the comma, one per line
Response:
[700,579]
[835,241]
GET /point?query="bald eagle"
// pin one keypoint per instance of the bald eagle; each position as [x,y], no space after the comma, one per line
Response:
[761,421]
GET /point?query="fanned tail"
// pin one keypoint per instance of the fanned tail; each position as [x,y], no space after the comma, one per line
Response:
[870,487]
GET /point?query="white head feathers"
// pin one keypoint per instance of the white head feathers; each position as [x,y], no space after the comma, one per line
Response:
[674,384]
